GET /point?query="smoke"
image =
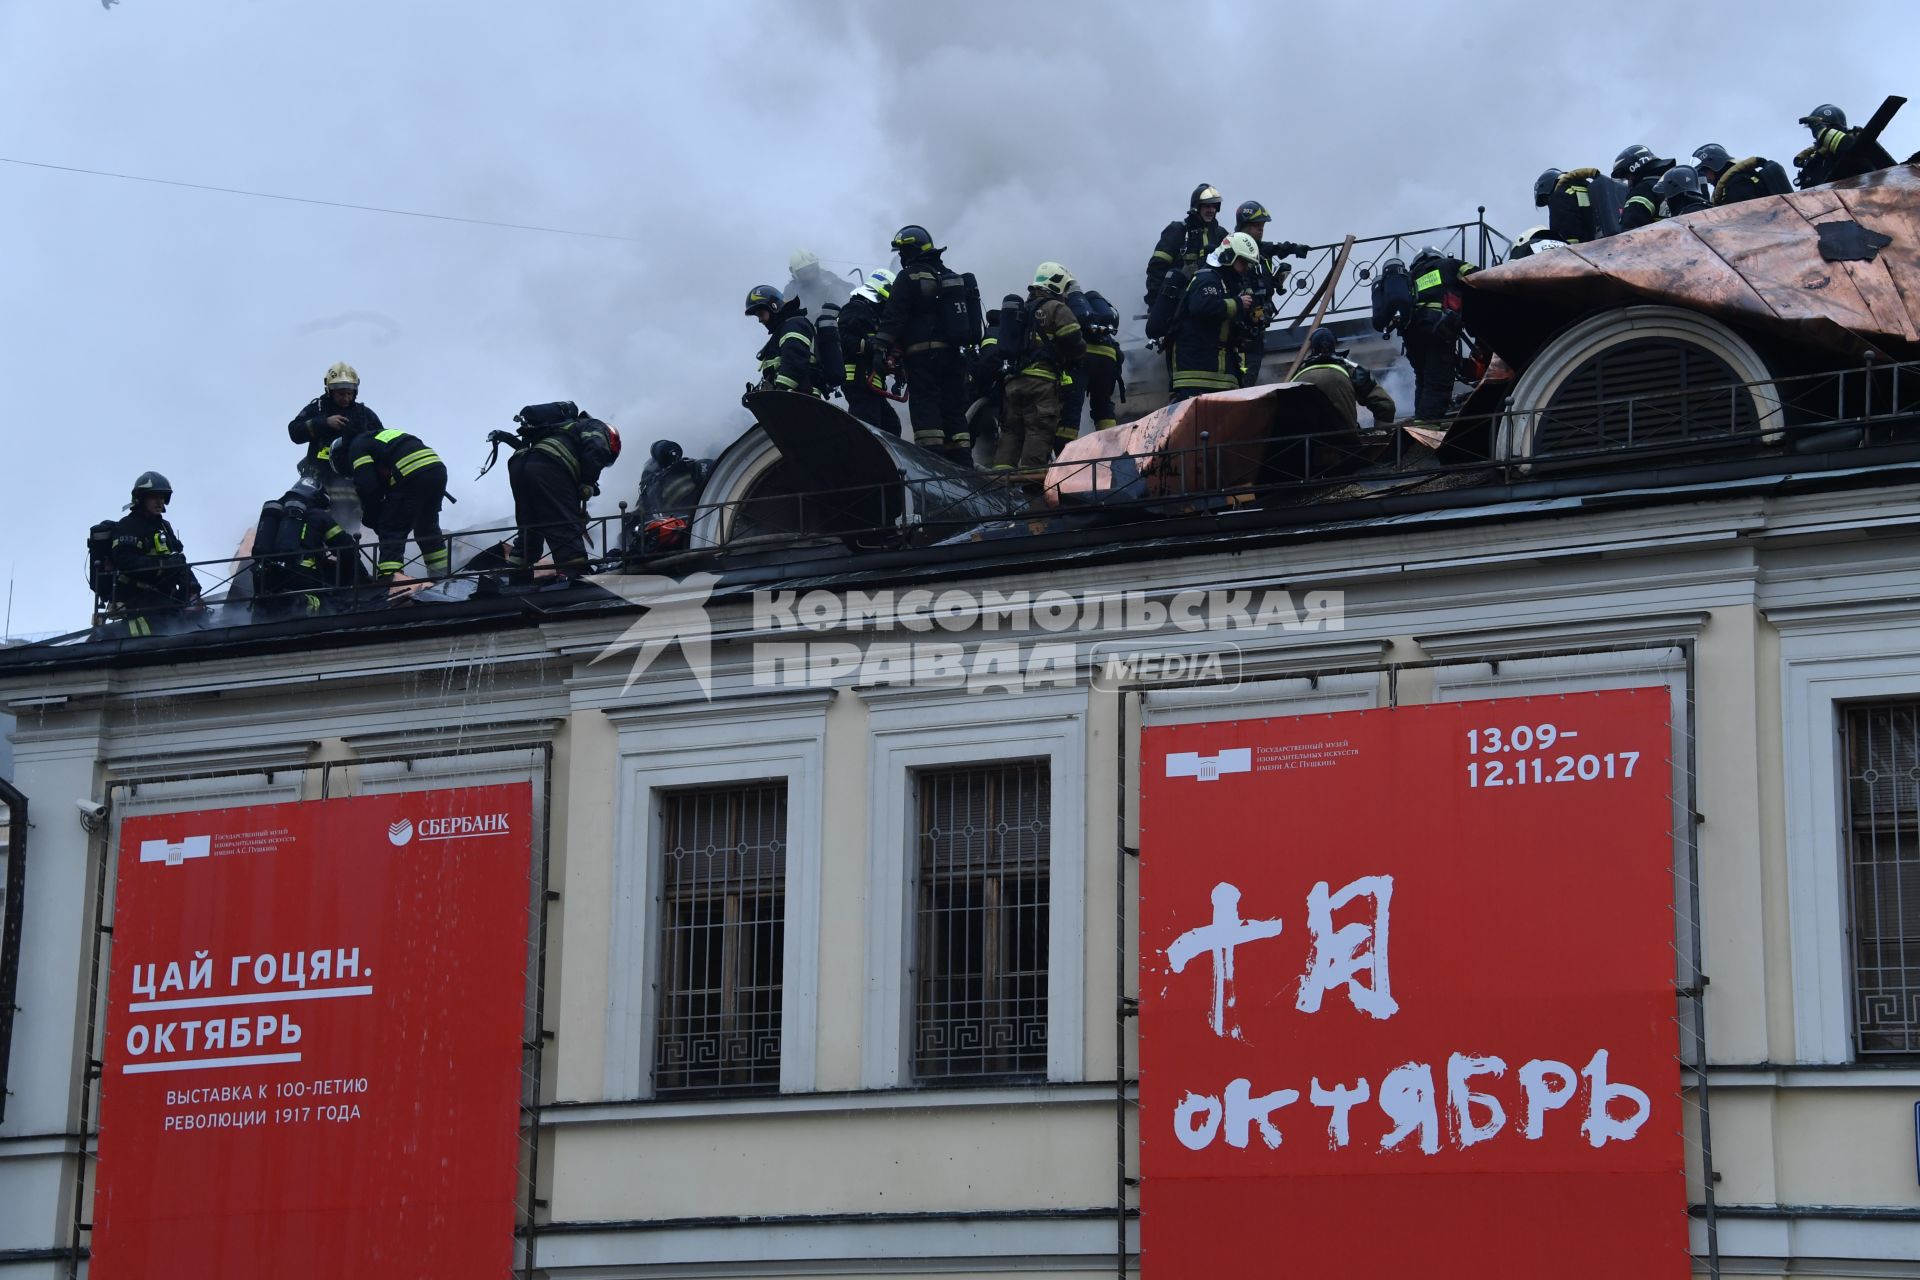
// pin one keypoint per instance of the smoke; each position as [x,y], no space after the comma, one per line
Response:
[158,327]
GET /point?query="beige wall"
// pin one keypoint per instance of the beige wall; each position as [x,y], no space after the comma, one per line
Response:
[1782,1135]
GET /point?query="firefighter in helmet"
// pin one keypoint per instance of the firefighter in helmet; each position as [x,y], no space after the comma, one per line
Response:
[335,412]
[152,585]
[1187,244]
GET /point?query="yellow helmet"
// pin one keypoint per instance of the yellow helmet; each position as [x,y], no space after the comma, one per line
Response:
[341,374]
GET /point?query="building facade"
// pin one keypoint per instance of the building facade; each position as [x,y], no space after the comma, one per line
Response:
[884,1030]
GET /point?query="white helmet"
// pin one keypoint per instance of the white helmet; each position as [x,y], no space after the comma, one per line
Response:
[880,283]
[341,374]
[1534,240]
[1238,245]
[1054,278]
[801,260]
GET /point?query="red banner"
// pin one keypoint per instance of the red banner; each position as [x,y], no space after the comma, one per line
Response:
[1407,994]
[313,1040]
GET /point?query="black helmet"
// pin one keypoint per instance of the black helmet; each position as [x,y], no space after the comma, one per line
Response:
[337,456]
[666,453]
[912,238]
[1205,193]
[763,295]
[1679,180]
[1251,211]
[1321,344]
[1712,158]
[1543,187]
[1393,265]
[1825,116]
[151,482]
[1630,162]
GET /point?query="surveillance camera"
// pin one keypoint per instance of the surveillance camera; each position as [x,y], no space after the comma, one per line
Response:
[91,811]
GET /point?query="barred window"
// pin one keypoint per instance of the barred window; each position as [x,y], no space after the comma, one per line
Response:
[980,967]
[1883,855]
[723,924]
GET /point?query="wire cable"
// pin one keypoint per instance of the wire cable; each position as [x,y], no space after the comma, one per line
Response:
[331,204]
[364,208]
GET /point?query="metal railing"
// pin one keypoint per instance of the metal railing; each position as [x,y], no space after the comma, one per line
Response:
[1477,242]
[1834,411]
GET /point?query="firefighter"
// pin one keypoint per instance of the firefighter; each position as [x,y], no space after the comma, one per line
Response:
[1735,180]
[1837,151]
[301,555]
[555,468]
[1206,345]
[1269,279]
[152,585]
[814,285]
[989,368]
[1433,333]
[1678,192]
[402,484]
[865,384]
[1568,199]
[335,412]
[1051,344]
[1100,368]
[1345,384]
[1639,167]
[925,325]
[1187,245]
[786,358]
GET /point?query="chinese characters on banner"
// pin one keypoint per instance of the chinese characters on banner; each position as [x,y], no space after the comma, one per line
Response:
[1407,994]
[313,1040]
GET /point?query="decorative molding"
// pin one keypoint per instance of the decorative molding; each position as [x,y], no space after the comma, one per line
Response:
[1478,643]
[1260,699]
[530,731]
[183,766]
[895,1101]
[1851,614]
[1784,1076]
[736,706]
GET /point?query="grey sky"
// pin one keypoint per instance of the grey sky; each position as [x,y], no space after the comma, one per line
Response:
[147,326]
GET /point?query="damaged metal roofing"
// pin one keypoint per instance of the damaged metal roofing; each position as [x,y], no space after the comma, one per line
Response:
[1765,266]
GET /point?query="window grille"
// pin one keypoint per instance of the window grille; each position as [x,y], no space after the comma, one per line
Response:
[723,924]
[1883,854]
[980,970]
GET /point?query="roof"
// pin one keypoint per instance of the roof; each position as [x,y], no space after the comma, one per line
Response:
[1034,545]
[1757,265]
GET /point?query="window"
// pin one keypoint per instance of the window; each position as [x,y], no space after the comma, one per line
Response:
[982,842]
[723,922]
[1883,873]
